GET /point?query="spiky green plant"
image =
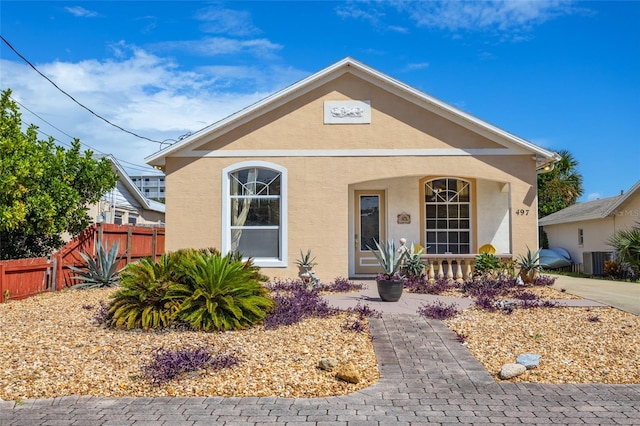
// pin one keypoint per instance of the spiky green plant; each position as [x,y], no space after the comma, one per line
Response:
[388,258]
[529,265]
[219,293]
[486,264]
[101,272]
[626,242]
[413,266]
[305,260]
[141,300]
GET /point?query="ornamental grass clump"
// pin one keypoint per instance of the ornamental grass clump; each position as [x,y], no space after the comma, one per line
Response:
[438,310]
[293,306]
[168,364]
[341,285]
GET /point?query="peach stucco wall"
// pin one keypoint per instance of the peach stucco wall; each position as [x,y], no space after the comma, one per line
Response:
[318,205]
[320,187]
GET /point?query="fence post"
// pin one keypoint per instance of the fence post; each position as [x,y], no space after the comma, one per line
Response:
[154,243]
[59,276]
[129,242]
[2,280]
[54,273]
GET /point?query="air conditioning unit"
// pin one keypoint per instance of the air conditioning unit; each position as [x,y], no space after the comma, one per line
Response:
[593,261]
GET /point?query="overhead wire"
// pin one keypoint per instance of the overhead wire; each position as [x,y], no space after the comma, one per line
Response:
[72,98]
[133,166]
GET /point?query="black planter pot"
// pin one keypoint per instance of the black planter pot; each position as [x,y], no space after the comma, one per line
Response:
[390,290]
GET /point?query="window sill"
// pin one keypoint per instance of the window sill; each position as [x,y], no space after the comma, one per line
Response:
[269,263]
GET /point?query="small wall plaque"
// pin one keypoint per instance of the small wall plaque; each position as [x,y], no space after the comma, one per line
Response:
[404,219]
[347,112]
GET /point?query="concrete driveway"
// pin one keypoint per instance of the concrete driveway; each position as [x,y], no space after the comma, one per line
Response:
[621,295]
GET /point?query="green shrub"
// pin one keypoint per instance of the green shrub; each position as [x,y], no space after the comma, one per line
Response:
[627,245]
[141,300]
[218,292]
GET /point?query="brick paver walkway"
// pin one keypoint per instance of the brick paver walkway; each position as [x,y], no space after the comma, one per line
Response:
[427,377]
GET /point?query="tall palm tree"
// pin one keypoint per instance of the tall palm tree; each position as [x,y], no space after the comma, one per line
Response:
[560,187]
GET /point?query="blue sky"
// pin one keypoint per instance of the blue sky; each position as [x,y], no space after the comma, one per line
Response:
[563,75]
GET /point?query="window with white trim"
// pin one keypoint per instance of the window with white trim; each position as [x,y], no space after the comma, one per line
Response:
[254,212]
[447,207]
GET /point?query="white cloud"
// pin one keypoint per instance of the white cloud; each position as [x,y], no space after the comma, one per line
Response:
[214,46]
[226,21]
[81,12]
[140,92]
[508,18]
[594,196]
[416,66]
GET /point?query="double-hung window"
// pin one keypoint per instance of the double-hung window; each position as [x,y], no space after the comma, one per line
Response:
[254,212]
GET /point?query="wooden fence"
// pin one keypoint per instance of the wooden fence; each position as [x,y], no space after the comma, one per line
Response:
[22,278]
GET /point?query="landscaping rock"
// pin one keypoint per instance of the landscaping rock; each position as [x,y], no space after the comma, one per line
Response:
[348,373]
[509,371]
[327,364]
[530,361]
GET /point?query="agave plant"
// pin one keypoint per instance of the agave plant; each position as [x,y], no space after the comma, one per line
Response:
[389,259]
[101,272]
[529,265]
[219,292]
[141,300]
[413,266]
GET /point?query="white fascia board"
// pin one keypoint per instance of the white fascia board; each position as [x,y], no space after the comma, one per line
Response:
[444,152]
[572,219]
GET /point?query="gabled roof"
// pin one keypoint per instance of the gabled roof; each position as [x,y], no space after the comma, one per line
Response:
[349,65]
[590,210]
[124,178]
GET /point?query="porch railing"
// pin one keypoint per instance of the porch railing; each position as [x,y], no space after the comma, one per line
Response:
[457,267]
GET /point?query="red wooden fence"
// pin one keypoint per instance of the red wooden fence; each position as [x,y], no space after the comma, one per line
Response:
[26,277]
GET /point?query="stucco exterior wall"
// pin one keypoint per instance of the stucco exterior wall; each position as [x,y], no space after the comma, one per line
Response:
[320,201]
[325,163]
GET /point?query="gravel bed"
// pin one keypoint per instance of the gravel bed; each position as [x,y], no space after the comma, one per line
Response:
[52,347]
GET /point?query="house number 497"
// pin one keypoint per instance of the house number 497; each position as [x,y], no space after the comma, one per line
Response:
[522,212]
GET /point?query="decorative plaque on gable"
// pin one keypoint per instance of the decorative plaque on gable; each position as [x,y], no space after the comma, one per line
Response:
[347,112]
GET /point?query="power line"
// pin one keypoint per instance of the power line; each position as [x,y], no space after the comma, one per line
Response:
[135,166]
[72,98]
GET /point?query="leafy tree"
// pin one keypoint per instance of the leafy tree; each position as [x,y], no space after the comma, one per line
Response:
[561,187]
[44,188]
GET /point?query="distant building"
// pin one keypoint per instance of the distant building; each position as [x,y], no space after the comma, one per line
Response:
[126,204]
[151,186]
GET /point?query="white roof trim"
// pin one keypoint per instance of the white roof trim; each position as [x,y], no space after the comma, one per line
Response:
[622,199]
[451,152]
[348,64]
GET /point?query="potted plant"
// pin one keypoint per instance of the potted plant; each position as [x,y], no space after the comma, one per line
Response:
[529,265]
[390,282]
[305,265]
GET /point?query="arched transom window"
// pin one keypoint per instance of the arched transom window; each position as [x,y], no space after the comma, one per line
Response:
[254,212]
[447,207]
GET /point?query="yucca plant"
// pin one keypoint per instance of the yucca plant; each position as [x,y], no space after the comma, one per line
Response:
[101,272]
[529,265]
[219,293]
[141,301]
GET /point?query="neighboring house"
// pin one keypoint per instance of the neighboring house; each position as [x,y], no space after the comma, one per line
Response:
[584,229]
[345,157]
[151,186]
[125,204]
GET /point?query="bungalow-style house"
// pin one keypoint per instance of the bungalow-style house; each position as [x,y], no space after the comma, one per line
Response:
[584,229]
[125,204]
[341,159]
